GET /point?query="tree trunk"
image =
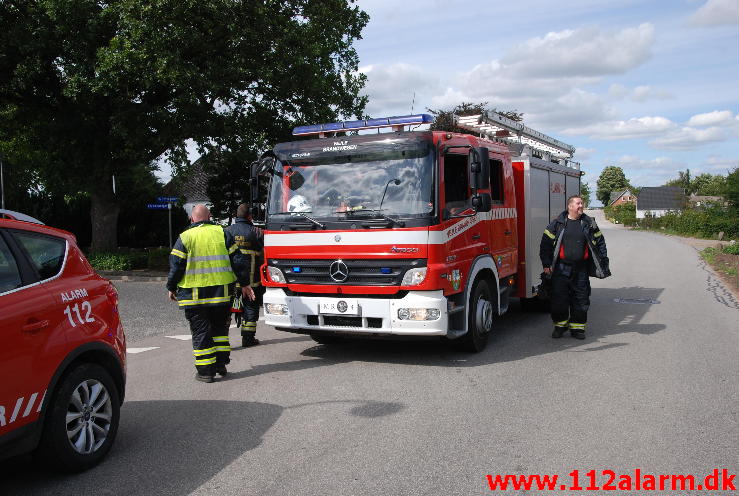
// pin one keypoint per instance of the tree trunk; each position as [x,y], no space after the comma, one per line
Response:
[104,215]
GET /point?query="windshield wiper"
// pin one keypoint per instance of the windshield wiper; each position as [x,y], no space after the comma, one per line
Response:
[305,216]
[377,215]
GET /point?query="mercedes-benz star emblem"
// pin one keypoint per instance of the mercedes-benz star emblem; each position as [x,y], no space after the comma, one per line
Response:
[342,306]
[338,271]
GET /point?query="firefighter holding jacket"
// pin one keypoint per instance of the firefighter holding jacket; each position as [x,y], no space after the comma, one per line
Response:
[250,242]
[572,249]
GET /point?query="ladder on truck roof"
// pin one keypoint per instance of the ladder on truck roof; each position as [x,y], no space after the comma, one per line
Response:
[495,126]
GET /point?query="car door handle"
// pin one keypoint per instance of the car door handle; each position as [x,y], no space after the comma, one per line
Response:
[475,236]
[508,233]
[35,326]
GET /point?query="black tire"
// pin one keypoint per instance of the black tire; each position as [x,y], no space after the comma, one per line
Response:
[480,318]
[325,338]
[88,395]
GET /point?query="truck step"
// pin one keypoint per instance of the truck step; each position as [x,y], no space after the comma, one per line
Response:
[457,309]
[504,299]
[455,333]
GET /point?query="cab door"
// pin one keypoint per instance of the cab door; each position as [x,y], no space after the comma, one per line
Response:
[461,241]
[503,227]
[24,338]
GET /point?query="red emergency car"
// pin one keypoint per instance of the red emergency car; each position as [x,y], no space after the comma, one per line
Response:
[62,358]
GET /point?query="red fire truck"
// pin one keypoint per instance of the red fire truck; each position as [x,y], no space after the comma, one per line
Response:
[408,233]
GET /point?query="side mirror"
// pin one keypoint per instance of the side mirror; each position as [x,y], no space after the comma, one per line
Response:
[482,202]
[479,167]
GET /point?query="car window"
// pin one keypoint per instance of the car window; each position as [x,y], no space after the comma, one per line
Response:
[10,277]
[47,252]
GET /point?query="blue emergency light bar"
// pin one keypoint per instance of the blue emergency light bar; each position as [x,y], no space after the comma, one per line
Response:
[333,127]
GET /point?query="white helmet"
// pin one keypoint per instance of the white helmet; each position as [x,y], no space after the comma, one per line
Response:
[298,203]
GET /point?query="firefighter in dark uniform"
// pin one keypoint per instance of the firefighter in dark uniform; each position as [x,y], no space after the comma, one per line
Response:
[572,249]
[204,266]
[250,241]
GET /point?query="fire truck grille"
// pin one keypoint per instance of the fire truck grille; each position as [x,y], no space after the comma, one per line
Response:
[357,272]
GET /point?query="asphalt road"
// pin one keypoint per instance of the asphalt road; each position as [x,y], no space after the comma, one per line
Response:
[653,387]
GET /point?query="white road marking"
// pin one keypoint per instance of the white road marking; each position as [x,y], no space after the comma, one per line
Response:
[141,350]
[181,337]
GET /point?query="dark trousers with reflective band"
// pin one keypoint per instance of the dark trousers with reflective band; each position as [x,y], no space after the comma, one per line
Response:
[251,313]
[570,298]
[209,328]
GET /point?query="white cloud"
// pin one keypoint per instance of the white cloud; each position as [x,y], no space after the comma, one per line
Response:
[583,154]
[649,171]
[687,138]
[544,77]
[643,93]
[638,94]
[584,52]
[634,162]
[720,165]
[391,88]
[715,118]
[636,127]
[715,13]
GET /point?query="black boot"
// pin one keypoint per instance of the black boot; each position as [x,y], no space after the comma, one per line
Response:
[249,339]
[221,370]
[205,373]
[558,332]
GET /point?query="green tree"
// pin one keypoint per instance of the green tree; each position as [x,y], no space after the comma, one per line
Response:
[585,193]
[708,185]
[612,178]
[683,181]
[731,188]
[105,88]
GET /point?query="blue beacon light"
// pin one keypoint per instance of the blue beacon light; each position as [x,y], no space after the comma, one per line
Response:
[396,122]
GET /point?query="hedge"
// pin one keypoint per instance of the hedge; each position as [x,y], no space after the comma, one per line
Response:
[130,259]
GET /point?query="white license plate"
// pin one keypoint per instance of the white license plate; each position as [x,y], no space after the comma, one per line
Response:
[339,306]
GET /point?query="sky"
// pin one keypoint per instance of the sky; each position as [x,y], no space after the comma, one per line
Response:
[649,86]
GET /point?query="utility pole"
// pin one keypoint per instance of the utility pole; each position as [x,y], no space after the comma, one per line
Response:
[2,183]
[169,208]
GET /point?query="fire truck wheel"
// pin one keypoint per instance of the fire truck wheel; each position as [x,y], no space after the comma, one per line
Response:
[480,321]
[81,420]
[325,338]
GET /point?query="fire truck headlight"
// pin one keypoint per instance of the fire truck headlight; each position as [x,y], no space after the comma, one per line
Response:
[414,277]
[276,274]
[418,313]
[275,308]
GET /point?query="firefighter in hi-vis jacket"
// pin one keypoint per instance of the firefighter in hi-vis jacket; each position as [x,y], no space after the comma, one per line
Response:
[572,249]
[250,241]
[204,265]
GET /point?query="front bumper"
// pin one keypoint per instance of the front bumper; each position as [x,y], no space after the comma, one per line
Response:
[376,316]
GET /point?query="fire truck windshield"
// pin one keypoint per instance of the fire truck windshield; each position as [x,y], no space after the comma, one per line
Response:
[353,177]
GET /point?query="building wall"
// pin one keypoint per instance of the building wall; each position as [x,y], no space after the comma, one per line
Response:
[640,214]
[627,198]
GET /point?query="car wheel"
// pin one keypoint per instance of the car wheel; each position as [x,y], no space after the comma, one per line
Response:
[81,420]
[480,318]
[326,338]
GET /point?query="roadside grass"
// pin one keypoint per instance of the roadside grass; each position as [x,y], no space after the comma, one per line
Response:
[725,263]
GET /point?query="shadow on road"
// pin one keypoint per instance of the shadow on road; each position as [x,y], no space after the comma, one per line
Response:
[160,449]
[163,448]
[518,335]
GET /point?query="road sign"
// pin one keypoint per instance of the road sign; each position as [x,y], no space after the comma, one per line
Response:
[157,206]
[165,199]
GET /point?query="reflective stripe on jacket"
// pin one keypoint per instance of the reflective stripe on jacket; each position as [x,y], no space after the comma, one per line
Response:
[250,240]
[551,240]
[208,262]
